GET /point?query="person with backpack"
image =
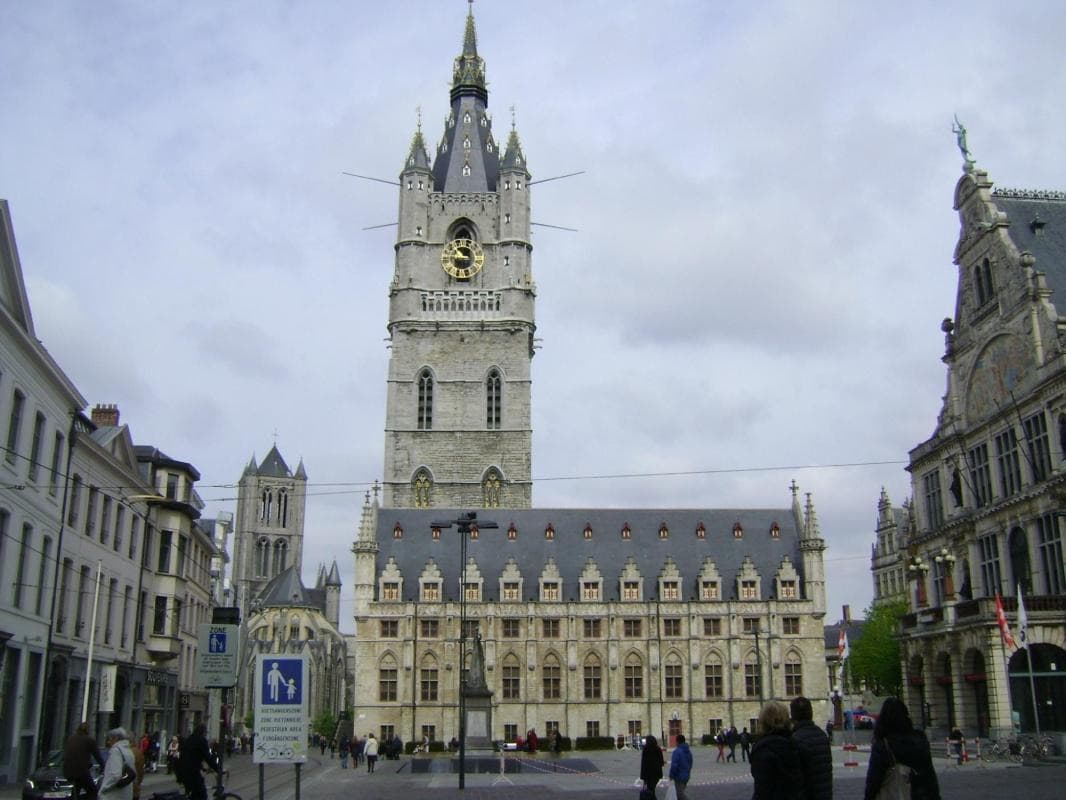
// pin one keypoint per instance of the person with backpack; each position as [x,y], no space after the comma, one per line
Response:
[775,758]
[745,744]
[897,746]
[79,753]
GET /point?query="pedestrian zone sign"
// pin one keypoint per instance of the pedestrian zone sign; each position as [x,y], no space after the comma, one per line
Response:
[281,715]
[217,657]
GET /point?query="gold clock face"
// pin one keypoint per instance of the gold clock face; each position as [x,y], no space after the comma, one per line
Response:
[462,258]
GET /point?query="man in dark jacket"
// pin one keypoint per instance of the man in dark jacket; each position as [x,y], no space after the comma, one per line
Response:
[79,752]
[194,754]
[815,756]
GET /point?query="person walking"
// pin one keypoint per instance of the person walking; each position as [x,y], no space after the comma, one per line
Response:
[815,756]
[370,750]
[775,759]
[195,752]
[345,747]
[79,753]
[173,754]
[652,762]
[681,766]
[732,738]
[719,739]
[140,762]
[117,783]
[896,741]
[745,744]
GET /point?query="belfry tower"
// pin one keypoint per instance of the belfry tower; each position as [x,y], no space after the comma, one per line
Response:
[461,314]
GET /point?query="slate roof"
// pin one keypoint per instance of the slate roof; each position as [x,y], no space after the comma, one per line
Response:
[274,465]
[570,550]
[1046,241]
[287,590]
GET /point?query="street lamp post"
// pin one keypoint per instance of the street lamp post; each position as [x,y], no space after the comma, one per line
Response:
[464,524]
[945,561]
[918,570]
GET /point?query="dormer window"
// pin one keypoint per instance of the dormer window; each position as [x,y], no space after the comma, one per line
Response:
[466,169]
[664,532]
[549,532]
[671,590]
[473,532]
[512,532]
[390,590]
[701,532]
[590,590]
[435,533]
[738,532]
[588,531]
[626,532]
[775,531]
[466,119]
[466,143]
[397,532]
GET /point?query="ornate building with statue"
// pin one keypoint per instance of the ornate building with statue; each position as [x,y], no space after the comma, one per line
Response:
[594,622]
[990,483]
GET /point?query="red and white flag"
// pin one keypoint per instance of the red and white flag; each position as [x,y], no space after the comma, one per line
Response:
[1004,627]
[843,651]
[1023,621]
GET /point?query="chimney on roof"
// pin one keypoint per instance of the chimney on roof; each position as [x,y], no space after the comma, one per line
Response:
[105,415]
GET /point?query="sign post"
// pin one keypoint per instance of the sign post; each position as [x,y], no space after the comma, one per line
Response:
[281,683]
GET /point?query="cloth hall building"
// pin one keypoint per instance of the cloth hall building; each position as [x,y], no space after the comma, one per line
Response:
[594,622]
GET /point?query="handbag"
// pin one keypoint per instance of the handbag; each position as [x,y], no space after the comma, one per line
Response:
[896,785]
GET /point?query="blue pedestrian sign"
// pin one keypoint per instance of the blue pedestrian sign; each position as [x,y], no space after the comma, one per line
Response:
[281,709]
[217,656]
[282,685]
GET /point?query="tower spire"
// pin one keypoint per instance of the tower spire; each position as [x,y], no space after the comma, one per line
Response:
[468,77]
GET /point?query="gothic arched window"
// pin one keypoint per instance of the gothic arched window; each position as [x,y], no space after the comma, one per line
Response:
[423,486]
[493,406]
[281,555]
[262,558]
[283,508]
[266,504]
[490,489]
[425,400]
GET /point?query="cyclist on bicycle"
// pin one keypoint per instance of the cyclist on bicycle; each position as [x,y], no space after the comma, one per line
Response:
[194,754]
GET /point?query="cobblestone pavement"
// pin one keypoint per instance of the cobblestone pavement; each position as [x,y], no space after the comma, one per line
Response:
[612,775]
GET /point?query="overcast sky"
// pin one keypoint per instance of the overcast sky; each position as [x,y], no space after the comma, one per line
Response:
[754,295]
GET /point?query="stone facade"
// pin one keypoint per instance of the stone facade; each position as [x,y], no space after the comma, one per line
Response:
[595,622]
[989,484]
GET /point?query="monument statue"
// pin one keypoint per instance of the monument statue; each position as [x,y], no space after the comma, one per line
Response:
[475,674]
[960,137]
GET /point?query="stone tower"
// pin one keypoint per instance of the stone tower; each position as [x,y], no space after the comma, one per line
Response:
[461,314]
[269,530]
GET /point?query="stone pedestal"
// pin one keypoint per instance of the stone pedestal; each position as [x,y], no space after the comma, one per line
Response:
[478,721]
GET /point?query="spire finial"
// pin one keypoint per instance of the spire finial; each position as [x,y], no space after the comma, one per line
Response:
[514,118]
[275,437]
[375,489]
[794,487]
[418,111]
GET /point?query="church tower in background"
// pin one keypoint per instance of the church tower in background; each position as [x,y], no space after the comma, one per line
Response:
[458,430]
[269,529]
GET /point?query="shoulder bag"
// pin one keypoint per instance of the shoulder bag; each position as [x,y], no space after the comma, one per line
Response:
[896,785]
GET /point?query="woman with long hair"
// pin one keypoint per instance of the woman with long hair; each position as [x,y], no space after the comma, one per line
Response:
[651,764]
[896,741]
[775,761]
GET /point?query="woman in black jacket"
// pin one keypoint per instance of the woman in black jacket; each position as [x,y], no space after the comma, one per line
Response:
[775,758]
[896,740]
[651,763]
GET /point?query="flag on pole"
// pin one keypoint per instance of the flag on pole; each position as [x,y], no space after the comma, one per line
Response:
[1023,621]
[843,651]
[1004,627]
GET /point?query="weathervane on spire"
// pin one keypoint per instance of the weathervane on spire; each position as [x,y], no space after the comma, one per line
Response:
[960,137]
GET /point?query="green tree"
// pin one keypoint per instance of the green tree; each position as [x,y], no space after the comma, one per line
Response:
[325,724]
[875,656]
